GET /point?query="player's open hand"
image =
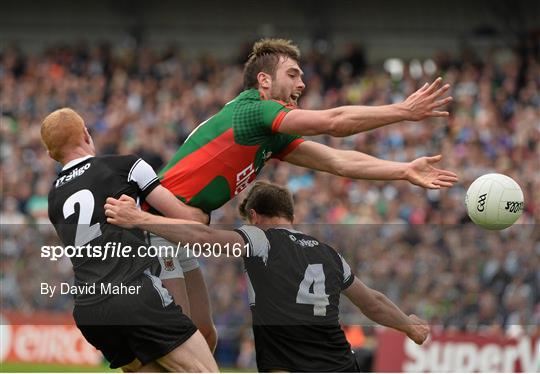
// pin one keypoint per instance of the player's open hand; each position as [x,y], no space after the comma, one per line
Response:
[122,212]
[418,329]
[421,172]
[425,102]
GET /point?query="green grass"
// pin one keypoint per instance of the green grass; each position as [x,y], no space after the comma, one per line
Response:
[21,367]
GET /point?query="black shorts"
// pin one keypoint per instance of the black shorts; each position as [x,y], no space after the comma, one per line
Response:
[351,368]
[146,326]
[303,348]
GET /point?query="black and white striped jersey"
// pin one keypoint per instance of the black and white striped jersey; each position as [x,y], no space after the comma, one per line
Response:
[76,209]
[295,283]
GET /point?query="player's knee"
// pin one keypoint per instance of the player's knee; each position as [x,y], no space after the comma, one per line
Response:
[207,367]
[211,367]
[192,356]
[194,365]
[132,367]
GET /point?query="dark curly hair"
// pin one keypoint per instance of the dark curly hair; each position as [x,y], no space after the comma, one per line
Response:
[265,57]
[268,199]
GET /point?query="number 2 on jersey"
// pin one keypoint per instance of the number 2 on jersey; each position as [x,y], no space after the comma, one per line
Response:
[318,298]
[85,232]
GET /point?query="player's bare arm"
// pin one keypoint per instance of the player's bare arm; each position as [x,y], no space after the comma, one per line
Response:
[378,308]
[124,212]
[349,120]
[358,165]
[164,201]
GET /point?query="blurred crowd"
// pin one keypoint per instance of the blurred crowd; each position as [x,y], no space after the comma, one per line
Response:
[414,245]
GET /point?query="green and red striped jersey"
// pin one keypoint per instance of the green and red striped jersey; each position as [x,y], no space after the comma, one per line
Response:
[226,152]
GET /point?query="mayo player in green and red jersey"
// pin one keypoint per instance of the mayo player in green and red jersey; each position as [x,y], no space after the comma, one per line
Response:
[226,152]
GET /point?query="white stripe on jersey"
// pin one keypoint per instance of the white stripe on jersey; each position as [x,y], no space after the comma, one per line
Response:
[142,174]
[250,291]
[164,295]
[258,242]
[346,270]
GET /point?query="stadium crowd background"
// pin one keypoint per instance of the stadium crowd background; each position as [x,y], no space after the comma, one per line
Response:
[414,245]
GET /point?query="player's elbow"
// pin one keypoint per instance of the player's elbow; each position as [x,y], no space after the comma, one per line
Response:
[334,123]
[321,122]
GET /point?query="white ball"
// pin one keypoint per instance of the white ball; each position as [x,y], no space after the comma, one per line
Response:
[494,201]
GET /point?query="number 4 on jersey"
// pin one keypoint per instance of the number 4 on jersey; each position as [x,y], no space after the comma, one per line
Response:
[318,298]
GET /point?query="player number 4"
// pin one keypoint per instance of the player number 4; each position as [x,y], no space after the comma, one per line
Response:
[85,232]
[314,276]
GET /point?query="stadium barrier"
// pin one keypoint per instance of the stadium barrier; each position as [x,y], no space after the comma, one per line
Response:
[457,352]
[46,338]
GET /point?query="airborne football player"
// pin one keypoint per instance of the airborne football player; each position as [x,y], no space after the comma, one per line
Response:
[226,152]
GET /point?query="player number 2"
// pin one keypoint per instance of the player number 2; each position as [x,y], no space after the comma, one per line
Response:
[85,232]
[314,276]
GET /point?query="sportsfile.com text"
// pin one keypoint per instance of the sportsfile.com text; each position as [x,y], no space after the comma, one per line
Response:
[117,249]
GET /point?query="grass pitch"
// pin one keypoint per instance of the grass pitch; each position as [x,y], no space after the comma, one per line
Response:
[8,367]
[56,368]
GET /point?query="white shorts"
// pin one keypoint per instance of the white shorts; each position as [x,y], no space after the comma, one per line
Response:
[173,267]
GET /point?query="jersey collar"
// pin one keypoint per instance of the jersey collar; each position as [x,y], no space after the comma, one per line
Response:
[289,229]
[75,162]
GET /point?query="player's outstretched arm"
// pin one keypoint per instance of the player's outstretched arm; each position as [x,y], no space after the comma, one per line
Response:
[358,165]
[124,212]
[378,308]
[165,202]
[348,120]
